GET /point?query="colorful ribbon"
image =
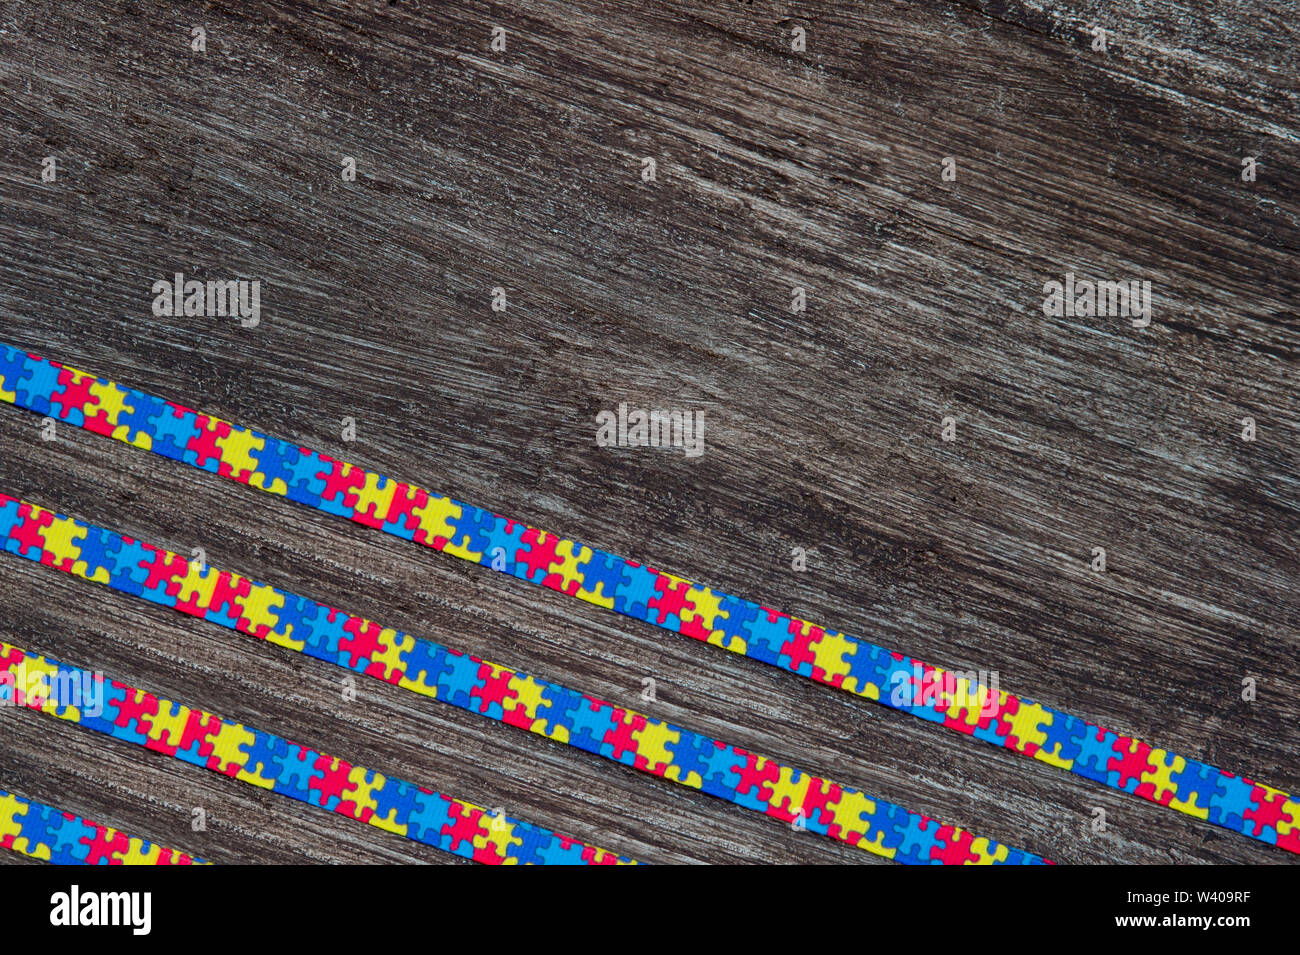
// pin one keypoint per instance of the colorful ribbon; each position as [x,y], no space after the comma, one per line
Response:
[670,602]
[489,689]
[63,838]
[269,762]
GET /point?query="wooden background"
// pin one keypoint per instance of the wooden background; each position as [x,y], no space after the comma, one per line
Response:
[775,169]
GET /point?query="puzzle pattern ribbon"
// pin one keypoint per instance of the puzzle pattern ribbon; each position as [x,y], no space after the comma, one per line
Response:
[269,762]
[63,838]
[636,590]
[547,709]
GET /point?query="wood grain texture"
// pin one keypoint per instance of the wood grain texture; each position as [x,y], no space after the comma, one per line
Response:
[522,170]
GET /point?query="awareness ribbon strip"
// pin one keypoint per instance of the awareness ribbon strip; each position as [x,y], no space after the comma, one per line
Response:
[269,762]
[644,593]
[63,838]
[497,692]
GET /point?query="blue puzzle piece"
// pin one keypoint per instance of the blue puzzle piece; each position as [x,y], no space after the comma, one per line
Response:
[430,813]
[890,820]
[42,381]
[40,826]
[426,663]
[1199,783]
[396,799]
[723,777]
[1229,808]
[458,678]
[603,574]
[691,753]
[326,631]
[557,853]
[634,596]
[919,839]
[101,550]
[72,845]
[306,483]
[297,771]
[266,755]
[9,519]
[172,432]
[295,619]
[559,706]
[1095,753]
[275,462]
[505,538]
[738,618]
[589,727]
[766,636]
[15,373]
[139,414]
[535,847]
[474,529]
[1062,735]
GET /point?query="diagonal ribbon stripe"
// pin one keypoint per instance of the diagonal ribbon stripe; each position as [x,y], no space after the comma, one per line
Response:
[269,762]
[667,601]
[64,838]
[489,689]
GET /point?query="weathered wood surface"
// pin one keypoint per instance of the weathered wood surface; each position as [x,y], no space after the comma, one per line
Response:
[775,169]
